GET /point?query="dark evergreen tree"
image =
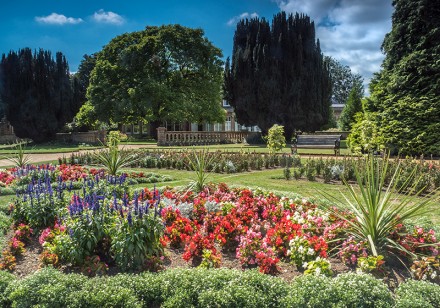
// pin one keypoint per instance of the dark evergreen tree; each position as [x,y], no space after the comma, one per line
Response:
[36,92]
[405,94]
[277,75]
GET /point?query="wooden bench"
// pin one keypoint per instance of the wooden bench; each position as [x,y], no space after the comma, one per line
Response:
[317,142]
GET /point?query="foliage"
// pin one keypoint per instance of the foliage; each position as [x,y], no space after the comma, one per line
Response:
[352,106]
[278,75]
[377,215]
[275,138]
[370,263]
[37,92]
[343,81]
[199,161]
[84,120]
[364,291]
[167,73]
[113,159]
[20,158]
[427,268]
[39,204]
[404,100]
[365,136]
[136,236]
[45,288]
[418,294]
[320,266]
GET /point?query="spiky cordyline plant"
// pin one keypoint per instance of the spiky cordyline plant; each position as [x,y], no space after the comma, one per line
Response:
[20,158]
[380,208]
[113,159]
[199,161]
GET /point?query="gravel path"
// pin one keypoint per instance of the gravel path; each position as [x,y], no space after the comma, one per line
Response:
[38,158]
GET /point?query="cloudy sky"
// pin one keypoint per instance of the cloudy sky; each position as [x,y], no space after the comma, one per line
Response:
[351,31]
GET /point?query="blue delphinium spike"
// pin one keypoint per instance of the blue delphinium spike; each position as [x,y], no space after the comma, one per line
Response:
[129,218]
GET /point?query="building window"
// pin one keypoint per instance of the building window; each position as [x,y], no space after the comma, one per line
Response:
[226,104]
[228,124]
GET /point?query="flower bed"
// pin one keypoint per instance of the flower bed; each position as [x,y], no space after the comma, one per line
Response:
[107,224]
[18,179]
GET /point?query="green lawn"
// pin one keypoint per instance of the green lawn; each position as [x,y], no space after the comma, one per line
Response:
[247,148]
[47,148]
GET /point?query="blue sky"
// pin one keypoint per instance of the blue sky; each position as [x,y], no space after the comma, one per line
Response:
[349,30]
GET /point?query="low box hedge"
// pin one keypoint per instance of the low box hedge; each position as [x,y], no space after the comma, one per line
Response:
[209,288]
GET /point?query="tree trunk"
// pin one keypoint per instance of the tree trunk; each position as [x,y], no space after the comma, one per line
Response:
[153,128]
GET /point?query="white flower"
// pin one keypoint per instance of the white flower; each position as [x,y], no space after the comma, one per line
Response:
[301,249]
[311,252]
[433,275]
[305,264]
[317,271]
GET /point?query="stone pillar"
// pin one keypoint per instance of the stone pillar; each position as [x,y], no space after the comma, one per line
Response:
[161,139]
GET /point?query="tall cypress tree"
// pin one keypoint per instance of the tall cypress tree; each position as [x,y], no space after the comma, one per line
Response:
[277,75]
[36,92]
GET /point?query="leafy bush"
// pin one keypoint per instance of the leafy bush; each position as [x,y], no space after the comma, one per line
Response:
[418,294]
[102,292]
[5,279]
[310,291]
[361,290]
[45,288]
[276,140]
[39,205]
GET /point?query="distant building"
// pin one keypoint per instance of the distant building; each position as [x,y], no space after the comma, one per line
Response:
[337,110]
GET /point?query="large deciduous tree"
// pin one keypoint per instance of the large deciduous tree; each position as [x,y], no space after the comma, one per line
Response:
[37,93]
[343,81]
[277,75]
[405,95]
[168,73]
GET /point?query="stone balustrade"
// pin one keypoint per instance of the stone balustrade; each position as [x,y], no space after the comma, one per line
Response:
[165,137]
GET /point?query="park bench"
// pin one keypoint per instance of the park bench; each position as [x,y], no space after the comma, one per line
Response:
[317,142]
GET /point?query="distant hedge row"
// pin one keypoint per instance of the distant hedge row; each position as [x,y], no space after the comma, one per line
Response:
[209,288]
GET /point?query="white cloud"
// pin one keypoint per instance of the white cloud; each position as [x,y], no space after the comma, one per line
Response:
[108,17]
[351,31]
[233,21]
[57,19]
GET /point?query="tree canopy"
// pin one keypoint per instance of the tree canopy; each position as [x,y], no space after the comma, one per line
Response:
[343,81]
[277,75]
[352,106]
[37,93]
[167,73]
[405,95]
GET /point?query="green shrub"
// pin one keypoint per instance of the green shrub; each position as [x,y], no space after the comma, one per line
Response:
[146,286]
[5,279]
[275,138]
[102,292]
[361,290]
[5,223]
[220,288]
[45,288]
[310,291]
[414,294]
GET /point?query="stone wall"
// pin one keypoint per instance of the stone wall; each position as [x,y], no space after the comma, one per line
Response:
[91,137]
